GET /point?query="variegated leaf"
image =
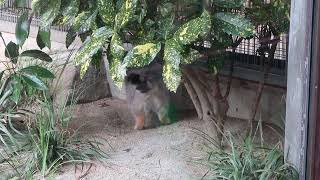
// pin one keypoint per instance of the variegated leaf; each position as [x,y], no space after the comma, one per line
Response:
[234,24]
[116,48]
[69,10]
[115,67]
[191,57]
[50,13]
[107,11]
[91,46]
[126,13]
[117,53]
[167,27]
[84,67]
[84,20]
[193,29]
[39,6]
[229,3]
[139,56]
[142,55]
[171,70]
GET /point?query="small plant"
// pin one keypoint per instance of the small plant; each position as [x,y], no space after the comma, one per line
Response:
[43,142]
[47,144]
[248,161]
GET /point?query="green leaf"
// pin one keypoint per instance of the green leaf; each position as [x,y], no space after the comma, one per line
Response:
[70,37]
[216,63]
[171,70]
[166,27]
[37,54]
[116,48]
[191,57]
[20,3]
[34,81]
[38,71]
[17,88]
[91,46]
[221,39]
[139,56]
[43,38]
[84,35]
[40,43]
[229,3]
[193,29]
[115,67]
[51,12]
[84,67]
[39,5]
[12,51]
[117,53]
[1,2]
[166,9]
[126,13]
[234,24]
[84,20]
[106,11]
[97,59]
[1,75]
[69,10]
[142,55]
[22,29]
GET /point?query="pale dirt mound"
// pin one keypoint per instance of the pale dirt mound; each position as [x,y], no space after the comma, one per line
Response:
[167,152]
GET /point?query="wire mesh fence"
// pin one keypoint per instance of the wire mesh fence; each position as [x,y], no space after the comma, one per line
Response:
[10,13]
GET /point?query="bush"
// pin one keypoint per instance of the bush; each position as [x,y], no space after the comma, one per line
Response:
[247,161]
[45,145]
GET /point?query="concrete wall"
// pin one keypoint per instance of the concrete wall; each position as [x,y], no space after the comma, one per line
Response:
[93,86]
[242,98]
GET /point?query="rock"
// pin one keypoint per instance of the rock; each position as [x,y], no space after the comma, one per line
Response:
[92,87]
[94,84]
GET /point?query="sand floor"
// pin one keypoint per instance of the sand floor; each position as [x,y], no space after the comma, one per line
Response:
[167,152]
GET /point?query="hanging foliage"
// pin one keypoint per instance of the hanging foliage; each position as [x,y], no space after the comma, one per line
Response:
[176,26]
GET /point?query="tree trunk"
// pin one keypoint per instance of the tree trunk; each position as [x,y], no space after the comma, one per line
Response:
[204,90]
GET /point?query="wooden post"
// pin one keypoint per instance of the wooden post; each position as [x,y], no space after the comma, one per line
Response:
[313,153]
[298,84]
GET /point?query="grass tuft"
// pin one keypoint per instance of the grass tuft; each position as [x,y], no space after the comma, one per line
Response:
[45,145]
[243,159]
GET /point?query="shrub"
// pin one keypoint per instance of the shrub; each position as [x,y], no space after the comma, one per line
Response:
[45,145]
[248,161]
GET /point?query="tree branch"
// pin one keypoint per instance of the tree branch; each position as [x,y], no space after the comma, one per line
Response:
[234,47]
[262,83]
[193,95]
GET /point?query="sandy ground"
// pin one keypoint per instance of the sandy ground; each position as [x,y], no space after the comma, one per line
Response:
[167,152]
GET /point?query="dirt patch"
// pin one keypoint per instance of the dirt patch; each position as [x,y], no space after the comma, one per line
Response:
[166,152]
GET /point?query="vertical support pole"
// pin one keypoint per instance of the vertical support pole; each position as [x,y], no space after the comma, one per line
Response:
[313,153]
[298,84]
